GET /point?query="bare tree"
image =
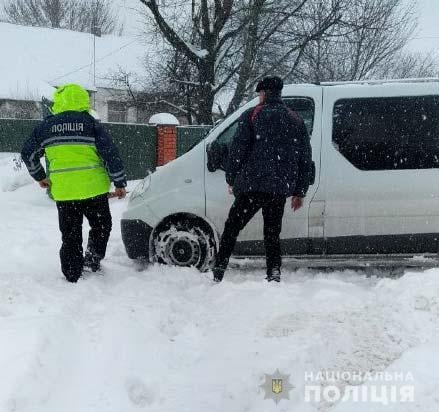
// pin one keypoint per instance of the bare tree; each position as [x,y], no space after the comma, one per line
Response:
[165,86]
[276,47]
[225,46]
[407,66]
[206,25]
[178,75]
[80,15]
[371,33]
[224,40]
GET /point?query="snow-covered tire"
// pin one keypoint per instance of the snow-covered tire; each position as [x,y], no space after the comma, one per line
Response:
[185,244]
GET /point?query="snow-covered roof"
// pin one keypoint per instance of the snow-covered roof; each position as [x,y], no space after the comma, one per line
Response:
[33,59]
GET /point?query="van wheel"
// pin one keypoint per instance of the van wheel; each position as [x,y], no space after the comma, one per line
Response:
[184,244]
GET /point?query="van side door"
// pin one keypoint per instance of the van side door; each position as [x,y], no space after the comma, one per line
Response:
[380,158]
[307,102]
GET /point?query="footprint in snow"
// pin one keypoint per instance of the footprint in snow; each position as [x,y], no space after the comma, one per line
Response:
[139,393]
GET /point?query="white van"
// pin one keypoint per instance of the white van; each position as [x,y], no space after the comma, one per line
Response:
[375,197]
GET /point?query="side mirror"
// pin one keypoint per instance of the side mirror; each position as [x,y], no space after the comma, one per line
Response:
[217,154]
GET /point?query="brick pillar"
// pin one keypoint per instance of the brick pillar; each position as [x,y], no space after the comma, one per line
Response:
[166,144]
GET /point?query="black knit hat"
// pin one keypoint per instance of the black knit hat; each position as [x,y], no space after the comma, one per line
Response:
[273,83]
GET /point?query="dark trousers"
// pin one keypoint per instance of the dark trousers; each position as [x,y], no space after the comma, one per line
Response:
[70,215]
[242,211]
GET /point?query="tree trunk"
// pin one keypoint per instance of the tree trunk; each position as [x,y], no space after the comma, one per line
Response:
[207,91]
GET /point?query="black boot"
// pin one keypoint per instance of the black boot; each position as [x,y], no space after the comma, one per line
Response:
[219,268]
[273,275]
[92,262]
[73,279]
[218,274]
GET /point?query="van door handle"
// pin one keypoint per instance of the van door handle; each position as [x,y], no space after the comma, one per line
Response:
[188,181]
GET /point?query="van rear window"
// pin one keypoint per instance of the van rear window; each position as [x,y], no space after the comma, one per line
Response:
[389,133]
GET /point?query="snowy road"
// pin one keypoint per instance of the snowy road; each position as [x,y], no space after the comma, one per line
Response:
[162,339]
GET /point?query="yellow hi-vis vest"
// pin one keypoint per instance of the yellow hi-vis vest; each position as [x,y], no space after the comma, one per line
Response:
[75,171]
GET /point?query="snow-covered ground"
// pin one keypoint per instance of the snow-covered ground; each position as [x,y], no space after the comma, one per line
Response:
[165,339]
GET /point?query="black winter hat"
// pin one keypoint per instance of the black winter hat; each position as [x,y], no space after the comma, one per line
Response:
[274,83]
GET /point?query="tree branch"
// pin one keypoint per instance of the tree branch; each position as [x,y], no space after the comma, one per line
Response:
[168,32]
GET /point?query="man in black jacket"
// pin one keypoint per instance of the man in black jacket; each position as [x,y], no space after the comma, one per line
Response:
[270,160]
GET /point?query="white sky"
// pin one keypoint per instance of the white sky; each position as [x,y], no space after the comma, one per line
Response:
[427,36]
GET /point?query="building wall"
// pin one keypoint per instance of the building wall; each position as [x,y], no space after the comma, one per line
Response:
[101,100]
[117,106]
[19,109]
[111,105]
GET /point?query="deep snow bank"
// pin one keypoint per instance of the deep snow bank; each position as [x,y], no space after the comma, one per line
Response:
[13,173]
[166,339]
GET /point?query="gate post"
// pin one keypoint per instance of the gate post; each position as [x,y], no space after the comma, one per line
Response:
[166,125]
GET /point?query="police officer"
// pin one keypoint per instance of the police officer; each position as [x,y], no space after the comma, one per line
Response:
[269,161]
[81,159]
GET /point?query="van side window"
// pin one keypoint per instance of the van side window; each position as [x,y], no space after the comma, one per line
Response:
[304,107]
[389,133]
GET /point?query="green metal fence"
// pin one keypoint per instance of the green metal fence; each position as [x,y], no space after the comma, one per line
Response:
[137,147]
[137,144]
[14,132]
[189,136]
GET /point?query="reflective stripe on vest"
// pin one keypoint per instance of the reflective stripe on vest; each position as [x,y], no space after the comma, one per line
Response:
[72,169]
[61,140]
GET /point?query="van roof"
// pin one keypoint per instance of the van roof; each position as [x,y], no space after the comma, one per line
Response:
[379,82]
[365,82]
